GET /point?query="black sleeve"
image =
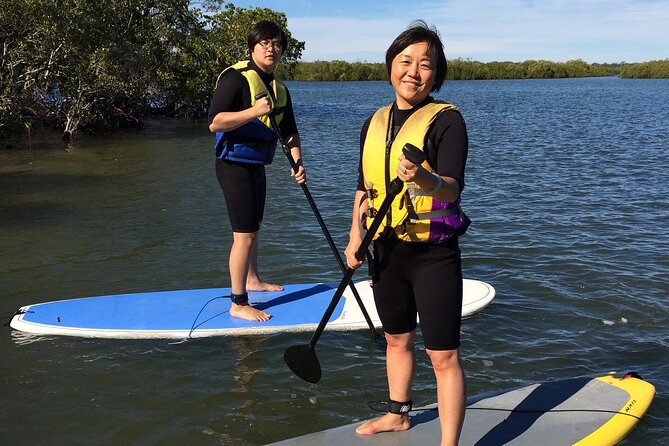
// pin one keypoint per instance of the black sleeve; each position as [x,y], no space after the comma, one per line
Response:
[232,94]
[288,125]
[363,136]
[448,145]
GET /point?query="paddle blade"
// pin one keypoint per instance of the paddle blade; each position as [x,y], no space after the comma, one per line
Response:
[302,360]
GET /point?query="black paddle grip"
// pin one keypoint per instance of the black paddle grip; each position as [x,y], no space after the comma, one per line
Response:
[413,153]
[261,95]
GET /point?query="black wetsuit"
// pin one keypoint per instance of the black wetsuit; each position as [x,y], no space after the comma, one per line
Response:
[244,185]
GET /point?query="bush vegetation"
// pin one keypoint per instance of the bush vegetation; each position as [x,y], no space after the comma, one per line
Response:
[654,69]
[461,69]
[102,64]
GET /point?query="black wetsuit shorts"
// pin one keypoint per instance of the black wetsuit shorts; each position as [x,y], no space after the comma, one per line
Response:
[419,278]
[244,186]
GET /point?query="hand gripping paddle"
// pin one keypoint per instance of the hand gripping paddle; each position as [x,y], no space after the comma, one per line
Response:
[301,359]
[376,336]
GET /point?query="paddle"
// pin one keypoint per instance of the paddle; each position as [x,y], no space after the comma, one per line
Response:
[301,359]
[375,335]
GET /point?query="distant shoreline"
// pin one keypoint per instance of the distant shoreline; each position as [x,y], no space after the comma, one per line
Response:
[460,69]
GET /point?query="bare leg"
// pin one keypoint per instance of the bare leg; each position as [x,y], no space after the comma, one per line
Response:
[400,364]
[253,282]
[451,394]
[239,263]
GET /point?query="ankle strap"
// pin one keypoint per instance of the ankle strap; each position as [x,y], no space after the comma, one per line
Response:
[240,299]
[399,408]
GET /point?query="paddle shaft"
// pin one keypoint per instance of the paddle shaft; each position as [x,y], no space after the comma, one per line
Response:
[394,189]
[321,222]
[302,359]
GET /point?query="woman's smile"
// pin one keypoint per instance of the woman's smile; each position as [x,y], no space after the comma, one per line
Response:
[412,75]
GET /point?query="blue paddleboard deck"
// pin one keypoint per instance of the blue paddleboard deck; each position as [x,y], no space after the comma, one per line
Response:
[584,410]
[206,312]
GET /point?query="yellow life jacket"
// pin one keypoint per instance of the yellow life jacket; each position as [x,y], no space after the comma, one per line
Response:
[414,215]
[255,141]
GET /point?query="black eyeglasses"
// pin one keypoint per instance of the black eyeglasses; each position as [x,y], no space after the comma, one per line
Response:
[266,44]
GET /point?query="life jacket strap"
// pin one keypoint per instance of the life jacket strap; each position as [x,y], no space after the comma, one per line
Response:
[435,214]
[276,111]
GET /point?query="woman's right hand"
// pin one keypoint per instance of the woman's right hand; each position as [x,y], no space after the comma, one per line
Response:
[262,107]
[355,235]
[352,248]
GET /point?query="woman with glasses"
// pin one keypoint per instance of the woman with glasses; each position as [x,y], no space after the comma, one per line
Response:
[245,142]
[417,265]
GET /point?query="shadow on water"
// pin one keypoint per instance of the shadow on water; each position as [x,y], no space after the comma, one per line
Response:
[35,199]
[35,214]
[29,182]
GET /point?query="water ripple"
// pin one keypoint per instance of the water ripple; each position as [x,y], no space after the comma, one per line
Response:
[567,185]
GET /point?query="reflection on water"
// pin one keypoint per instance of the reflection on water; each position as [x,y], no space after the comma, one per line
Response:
[245,349]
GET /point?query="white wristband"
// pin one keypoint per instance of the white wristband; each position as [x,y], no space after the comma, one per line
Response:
[436,186]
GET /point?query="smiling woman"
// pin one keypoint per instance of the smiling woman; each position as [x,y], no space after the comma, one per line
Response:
[417,265]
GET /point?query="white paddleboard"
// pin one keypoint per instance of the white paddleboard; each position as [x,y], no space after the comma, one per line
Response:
[205,312]
[583,411]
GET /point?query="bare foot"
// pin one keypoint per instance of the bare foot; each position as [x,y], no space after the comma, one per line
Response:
[249,313]
[390,422]
[263,286]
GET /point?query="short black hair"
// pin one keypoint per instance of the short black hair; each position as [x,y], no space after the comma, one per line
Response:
[267,30]
[419,31]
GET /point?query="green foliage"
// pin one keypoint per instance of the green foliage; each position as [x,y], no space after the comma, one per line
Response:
[458,69]
[101,64]
[338,70]
[88,64]
[220,41]
[228,31]
[653,69]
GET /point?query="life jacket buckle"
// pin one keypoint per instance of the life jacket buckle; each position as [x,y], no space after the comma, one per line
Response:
[371,194]
[412,215]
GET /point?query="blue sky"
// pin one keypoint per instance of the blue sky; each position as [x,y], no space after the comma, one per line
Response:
[484,30]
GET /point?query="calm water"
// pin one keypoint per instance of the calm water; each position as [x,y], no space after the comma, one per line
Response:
[568,187]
